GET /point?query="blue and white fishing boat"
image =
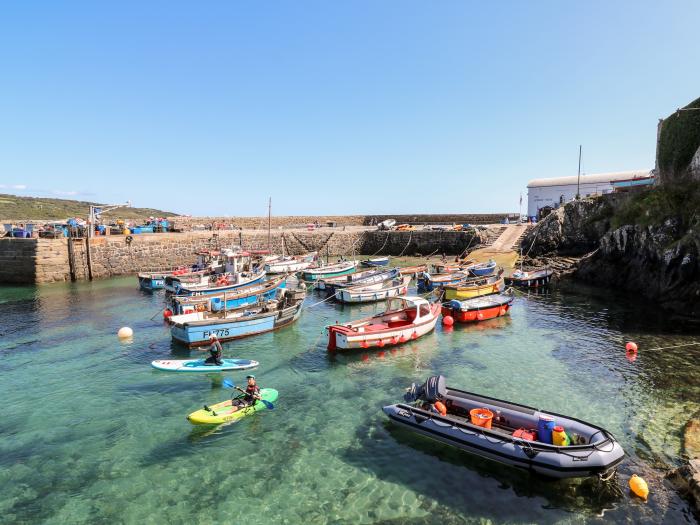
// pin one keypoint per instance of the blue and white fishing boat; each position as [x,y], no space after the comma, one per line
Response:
[207,263]
[428,282]
[228,300]
[195,329]
[482,269]
[150,281]
[375,261]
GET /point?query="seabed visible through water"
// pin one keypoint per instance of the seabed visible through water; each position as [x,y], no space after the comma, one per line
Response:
[92,434]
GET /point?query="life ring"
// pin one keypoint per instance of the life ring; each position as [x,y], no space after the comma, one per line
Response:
[201,307]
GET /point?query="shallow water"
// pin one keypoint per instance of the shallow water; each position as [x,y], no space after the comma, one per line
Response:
[91,433]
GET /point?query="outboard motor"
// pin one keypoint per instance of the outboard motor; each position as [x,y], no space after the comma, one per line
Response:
[435,389]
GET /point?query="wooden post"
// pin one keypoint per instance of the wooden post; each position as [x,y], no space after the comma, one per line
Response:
[89,257]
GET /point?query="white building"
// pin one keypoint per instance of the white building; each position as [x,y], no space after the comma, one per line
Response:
[559,190]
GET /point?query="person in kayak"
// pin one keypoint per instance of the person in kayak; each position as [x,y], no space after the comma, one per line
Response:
[252,394]
[215,350]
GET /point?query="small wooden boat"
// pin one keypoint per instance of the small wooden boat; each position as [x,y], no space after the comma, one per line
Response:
[373,293]
[366,278]
[507,432]
[243,296]
[532,279]
[375,261]
[428,282]
[475,287]
[331,270]
[406,318]
[195,328]
[286,265]
[482,269]
[478,308]
[413,270]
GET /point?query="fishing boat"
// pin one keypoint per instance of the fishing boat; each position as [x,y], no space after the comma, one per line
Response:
[290,264]
[237,298]
[208,263]
[366,278]
[194,329]
[375,261]
[428,282]
[373,293]
[413,270]
[482,269]
[507,432]
[239,271]
[532,279]
[475,287]
[445,267]
[406,318]
[331,270]
[478,308]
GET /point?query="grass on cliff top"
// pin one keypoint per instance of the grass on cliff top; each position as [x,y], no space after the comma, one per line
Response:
[653,207]
[14,207]
[679,139]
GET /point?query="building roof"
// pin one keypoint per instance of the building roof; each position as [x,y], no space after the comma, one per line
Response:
[590,179]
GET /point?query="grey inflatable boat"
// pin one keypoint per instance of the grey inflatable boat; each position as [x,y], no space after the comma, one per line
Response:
[512,438]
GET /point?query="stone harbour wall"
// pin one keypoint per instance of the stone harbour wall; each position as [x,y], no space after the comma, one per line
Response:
[28,261]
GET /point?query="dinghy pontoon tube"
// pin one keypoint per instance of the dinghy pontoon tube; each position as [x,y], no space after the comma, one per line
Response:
[596,451]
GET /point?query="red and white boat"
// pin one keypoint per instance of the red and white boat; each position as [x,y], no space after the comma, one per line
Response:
[405,318]
[478,308]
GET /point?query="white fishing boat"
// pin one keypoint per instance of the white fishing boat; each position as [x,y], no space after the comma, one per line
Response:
[374,292]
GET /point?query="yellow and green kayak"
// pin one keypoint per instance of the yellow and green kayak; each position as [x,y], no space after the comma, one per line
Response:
[223,412]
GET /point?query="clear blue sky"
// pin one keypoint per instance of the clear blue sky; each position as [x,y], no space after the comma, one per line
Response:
[330,106]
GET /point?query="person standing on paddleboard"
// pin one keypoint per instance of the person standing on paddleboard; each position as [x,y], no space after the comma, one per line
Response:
[215,350]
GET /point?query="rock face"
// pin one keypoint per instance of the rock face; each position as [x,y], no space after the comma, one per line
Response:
[573,229]
[659,262]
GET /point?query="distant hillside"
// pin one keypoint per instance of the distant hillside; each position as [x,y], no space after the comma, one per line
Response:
[14,207]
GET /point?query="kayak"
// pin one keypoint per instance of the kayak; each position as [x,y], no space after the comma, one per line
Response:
[197,365]
[223,413]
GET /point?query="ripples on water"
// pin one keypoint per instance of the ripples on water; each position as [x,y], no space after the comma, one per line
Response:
[91,433]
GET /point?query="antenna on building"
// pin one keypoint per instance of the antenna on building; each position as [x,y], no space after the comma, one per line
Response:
[578,180]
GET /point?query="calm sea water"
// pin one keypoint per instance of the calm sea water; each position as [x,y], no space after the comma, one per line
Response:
[90,433]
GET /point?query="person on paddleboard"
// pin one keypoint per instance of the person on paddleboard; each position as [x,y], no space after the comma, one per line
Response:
[215,350]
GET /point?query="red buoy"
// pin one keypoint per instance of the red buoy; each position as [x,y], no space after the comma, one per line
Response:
[380,344]
[631,347]
[447,320]
[364,344]
[167,313]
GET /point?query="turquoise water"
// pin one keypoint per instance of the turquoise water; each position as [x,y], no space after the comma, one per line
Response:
[92,434]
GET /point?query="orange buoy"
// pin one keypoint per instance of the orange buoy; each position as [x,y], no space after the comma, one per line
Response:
[414,335]
[364,344]
[639,487]
[631,346]
[167,313]
[380,344]
[394,340]
[402,339]
[447,320]
[441,408]
[631,356]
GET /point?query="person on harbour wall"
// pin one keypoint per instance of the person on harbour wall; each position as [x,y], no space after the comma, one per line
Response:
[215,350]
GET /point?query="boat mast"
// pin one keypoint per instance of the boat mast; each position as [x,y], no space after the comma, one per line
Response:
[578,180]
[269,226]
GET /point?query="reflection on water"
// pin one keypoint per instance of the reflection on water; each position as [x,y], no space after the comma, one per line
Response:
[91,433]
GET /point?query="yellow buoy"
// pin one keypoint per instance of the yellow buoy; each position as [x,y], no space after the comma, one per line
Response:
[639,487]
[125,332]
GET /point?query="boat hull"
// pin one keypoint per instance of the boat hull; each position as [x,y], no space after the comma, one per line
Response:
[151,282]
[244,296]
[181,289]
[316,275]
[376,261]
[197,333]
[475,310]
[531,280]
[368,295]
[286,267]
[469,292]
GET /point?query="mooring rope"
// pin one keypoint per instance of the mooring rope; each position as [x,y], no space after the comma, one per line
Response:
[405,247]
[380,249]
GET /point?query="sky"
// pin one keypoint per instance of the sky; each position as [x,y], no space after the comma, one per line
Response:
[333,107]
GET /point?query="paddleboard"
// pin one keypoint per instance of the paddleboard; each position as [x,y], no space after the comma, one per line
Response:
[197,365]
[223,412]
